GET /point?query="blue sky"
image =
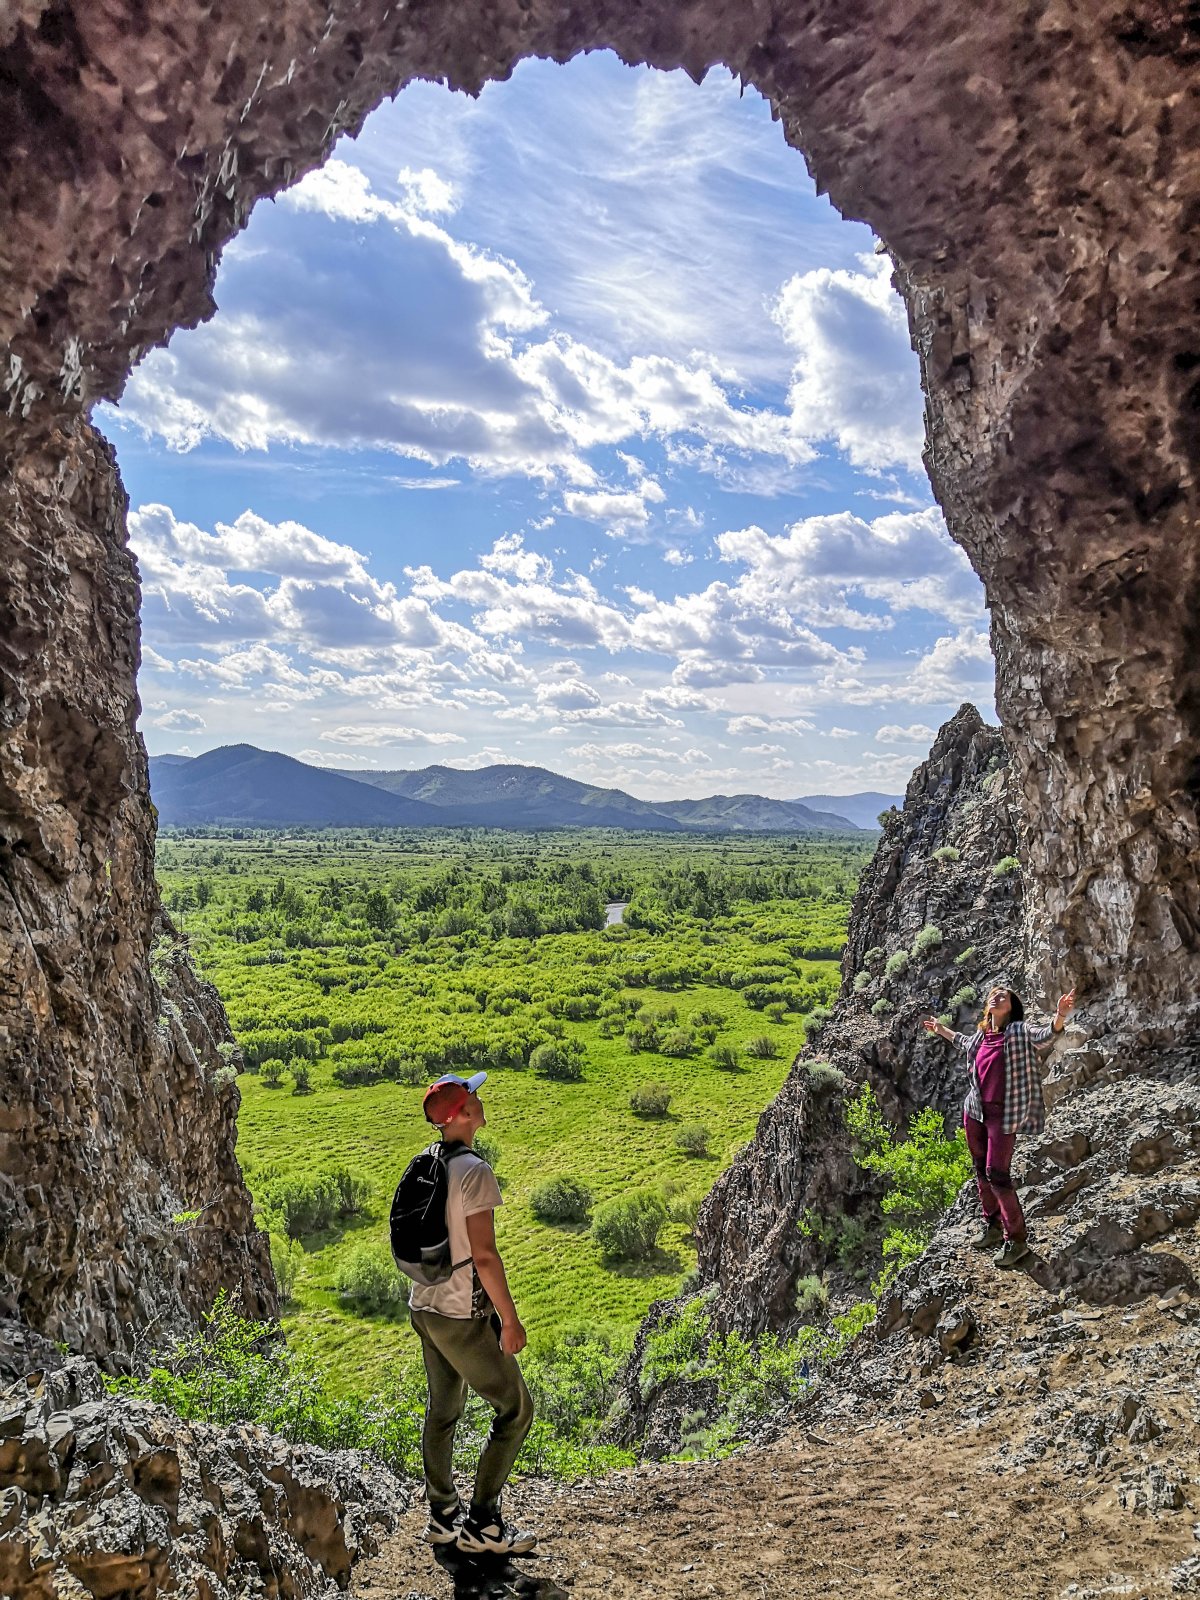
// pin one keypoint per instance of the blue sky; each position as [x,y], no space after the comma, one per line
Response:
[566,425]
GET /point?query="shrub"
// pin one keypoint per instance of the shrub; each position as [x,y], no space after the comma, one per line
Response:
[488,1147]
[1005,866]
[881,1007]
[862,982]
[301,1078]
[640,1037]
[825,1077]
[726,1057]
[560,1200]
[368,1277]
[965,956]
[353,1193]
[651,1099]
[303,1205]
[287,1257]
[627,1228]
[555,1062]
[271,1072]
[816,1019]
[963,997]
[897,964]
[692,1139]
[776,1013]
[926,941]
[812,1297]
[947,853]
[679,1042]
[924,1173]
[873,955]
[762,1047]
[684,1205]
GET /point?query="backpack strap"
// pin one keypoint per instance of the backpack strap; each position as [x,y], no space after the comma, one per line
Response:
[446,1154]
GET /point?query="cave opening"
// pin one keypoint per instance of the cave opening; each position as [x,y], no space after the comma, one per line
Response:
[1033,177]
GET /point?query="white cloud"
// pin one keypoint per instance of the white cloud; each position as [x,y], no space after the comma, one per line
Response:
[763,750]
[359,735]
[756,724]
[915,733]
[180,721]
[678,558]
[337,758]
[571,695]
[959,667]
[509,554]
[855,380]
[842,733]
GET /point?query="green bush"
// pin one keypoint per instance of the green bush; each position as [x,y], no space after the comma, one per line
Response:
[487,1146]
[926,941]
[287,1258]
[353,1192]
[1005,866]
[762,1047]
[726,1057]
[368,1277]
[816,1020]
[679,1042]
[627,1227]
[824,1077]
[873,955]
[560,1200]
[862,982]
[303,1205]
[881,1007]
[692,1139]
[555,1062]
[812,1298]
[924,1173]
[963,997]
[947,853]
[301,1077]
[683,1204]
[651,1099]
[965,956]
[271,1072]
[897,964]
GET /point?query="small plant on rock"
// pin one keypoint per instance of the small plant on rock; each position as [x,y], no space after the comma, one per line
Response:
[824,1077]
[1005,867]
[812,1297]
[926,942]
[881,1007]
[897,964]
[947,852]
[965,957]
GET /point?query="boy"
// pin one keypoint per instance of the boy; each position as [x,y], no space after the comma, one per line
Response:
[470,1335]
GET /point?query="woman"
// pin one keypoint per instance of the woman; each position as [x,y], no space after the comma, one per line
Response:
[1004,1098]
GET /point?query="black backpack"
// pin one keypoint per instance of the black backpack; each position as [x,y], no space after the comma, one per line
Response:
[420,1235]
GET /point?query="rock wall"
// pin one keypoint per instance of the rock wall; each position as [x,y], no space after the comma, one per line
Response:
[113,1117]
[1034,173]
[113,1497]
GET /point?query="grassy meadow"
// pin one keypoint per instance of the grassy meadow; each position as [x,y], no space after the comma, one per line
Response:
[356,967]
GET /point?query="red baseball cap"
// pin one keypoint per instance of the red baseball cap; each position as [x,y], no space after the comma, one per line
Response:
[446,1098]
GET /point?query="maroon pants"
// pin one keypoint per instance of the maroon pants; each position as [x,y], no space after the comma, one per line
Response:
[991,1155]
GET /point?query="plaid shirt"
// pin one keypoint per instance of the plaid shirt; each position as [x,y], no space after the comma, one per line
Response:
[1024,1108]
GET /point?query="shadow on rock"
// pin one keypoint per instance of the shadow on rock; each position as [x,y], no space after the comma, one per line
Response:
[494,1577]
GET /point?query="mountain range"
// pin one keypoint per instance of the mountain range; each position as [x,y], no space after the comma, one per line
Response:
[239,785]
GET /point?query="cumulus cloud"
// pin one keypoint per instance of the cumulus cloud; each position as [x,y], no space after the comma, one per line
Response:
[904,559]
[571,695]
[180,721]
[959,667]
[755,724]
[915,733]
[856,380]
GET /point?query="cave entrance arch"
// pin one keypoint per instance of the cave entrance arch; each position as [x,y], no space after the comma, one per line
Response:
[1033,171]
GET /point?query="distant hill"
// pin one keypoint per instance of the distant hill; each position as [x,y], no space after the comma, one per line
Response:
[533,797]
[240,785]
[861,809]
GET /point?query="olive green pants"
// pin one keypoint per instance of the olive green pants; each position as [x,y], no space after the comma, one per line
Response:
[464,1353]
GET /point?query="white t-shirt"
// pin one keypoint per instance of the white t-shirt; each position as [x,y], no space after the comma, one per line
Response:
[472,1187]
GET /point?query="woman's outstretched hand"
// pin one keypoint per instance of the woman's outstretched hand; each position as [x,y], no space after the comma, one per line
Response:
[931,1025]
[1065,1006]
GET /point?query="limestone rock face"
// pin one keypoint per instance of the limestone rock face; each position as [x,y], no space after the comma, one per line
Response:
[107,1496]
[114,1118]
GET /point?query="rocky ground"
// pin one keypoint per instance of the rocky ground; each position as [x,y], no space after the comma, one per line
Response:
[120,1500]
[1053,1455]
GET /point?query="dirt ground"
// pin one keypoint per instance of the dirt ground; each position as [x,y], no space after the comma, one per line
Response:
[886,1510]
[1001,1474]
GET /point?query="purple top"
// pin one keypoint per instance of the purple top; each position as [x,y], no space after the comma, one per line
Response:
[989,1067]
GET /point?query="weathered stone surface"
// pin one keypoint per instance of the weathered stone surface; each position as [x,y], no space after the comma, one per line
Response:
[112,1117]
[109,1497]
